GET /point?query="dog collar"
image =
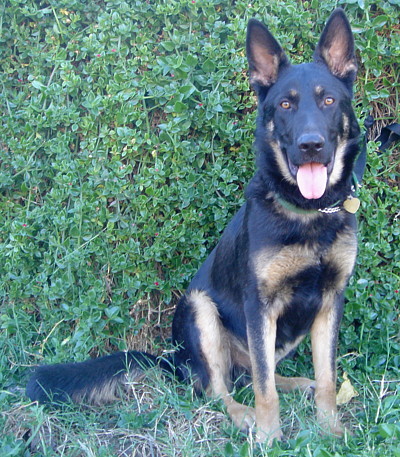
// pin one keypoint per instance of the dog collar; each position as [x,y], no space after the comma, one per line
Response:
[296,209]
[351,205]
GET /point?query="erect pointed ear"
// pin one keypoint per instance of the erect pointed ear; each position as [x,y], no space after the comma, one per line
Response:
[264,54]
[336,47]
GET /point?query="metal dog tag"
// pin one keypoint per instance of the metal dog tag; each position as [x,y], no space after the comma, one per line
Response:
[351,205]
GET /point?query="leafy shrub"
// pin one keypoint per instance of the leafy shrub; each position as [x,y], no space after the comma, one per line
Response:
[126,143]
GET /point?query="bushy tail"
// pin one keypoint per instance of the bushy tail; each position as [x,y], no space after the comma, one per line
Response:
[94,381]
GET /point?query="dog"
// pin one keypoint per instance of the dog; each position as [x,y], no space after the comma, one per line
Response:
[282,264]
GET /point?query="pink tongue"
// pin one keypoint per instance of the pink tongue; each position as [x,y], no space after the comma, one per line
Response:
[311,179]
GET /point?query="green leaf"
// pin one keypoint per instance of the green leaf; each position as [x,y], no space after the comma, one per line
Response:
[379,21]
[245,450]
[208,66]
[228,450]
[168,45]
[191,60]
[38,85]
[112,311]
[180,107]
[388,430]
[187,90]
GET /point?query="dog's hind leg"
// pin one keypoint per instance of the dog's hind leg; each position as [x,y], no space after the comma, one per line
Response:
[216,352]
[288,384]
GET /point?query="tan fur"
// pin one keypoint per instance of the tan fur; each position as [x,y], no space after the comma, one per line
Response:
[266,395]
[110,391]
[282,353]
[239,353]
[343,255]
[273,267]
[271,126]
[213,340]
[323,351]
[339,154]
[333,57]
[99,396]
[267,415]
[267,66]
[279,156]
[288,384]
[283,167]
[216,349]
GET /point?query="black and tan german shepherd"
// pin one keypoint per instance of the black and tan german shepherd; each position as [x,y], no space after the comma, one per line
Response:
[283,262]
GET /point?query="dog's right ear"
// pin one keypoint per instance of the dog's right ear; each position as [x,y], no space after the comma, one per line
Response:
[264,55]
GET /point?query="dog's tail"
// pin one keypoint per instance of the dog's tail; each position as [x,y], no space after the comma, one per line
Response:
[95,381]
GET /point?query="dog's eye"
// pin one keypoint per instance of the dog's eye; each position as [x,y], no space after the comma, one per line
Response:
[329,101]
[285,104]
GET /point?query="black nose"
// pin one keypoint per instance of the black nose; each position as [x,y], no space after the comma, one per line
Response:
[311,143]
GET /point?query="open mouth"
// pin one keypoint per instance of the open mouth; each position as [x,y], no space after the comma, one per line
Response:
[312,178]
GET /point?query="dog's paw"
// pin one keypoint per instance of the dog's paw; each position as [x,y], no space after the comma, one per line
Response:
[330,423]
[336,428]
[310,390]
[288,384]
[244,417]
[268,436]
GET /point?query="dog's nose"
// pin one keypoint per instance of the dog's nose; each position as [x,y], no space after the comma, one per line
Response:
[311,143]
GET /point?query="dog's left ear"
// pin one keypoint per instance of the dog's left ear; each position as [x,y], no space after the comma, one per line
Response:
[336,47]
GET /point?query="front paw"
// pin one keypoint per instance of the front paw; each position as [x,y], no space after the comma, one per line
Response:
[268,436]
[336,428]
[330,423]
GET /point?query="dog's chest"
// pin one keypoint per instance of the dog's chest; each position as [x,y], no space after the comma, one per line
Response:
[286,270]
[296,281]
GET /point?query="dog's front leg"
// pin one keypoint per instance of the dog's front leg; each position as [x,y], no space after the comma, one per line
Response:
[324,334]
[261,330]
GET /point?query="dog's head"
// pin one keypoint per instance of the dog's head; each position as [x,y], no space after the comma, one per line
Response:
[306,129]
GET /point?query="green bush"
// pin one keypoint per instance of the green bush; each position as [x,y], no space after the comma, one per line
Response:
[126,144]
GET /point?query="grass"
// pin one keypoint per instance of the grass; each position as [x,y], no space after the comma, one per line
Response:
[125,148]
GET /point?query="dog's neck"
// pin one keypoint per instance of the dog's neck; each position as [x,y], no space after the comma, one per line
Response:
[350,204]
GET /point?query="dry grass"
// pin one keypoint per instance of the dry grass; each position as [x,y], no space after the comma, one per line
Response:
[158,419]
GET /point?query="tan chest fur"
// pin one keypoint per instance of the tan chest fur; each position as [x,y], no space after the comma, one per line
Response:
[275,267]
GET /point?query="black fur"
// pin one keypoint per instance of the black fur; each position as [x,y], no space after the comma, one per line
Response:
[71,381]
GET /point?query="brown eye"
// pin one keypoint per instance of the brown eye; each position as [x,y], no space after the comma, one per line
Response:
[329,100]
[285,105]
